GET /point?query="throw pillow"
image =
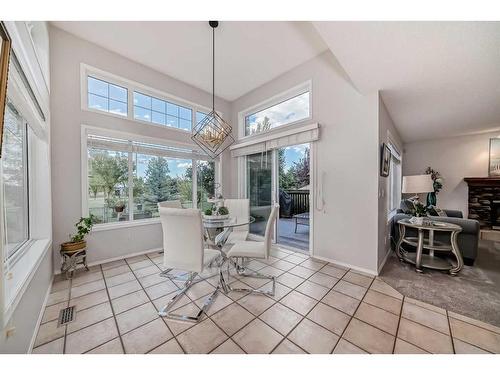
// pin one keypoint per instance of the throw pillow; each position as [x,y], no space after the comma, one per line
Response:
[441,212]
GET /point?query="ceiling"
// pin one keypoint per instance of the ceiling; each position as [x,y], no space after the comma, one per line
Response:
[247,53]
[437,79]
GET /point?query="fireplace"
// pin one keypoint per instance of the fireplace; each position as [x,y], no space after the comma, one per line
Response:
[484,201]
[495,214]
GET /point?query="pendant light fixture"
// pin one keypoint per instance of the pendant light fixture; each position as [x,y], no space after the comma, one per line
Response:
[213,134]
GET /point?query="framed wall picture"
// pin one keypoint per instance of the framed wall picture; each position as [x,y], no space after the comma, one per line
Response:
[494,163]
[385,160]
[5,47]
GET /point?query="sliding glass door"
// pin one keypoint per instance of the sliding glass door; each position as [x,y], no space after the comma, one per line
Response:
[281,175]
[259,189]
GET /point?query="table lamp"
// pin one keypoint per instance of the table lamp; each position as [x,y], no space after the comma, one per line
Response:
[416,185]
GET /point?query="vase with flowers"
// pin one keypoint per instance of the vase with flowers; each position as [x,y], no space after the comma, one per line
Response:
[437,181]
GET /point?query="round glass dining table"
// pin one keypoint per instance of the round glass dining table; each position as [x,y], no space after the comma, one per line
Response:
[218,230]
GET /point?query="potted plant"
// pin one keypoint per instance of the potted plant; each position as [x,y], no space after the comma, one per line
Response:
[119,207]
[419,212]
[77,241]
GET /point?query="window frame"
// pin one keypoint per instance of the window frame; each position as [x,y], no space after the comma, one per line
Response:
[395,154]
[18,270]
[24,246]
[108,97]
[131,86]
[88,129]
[273,101]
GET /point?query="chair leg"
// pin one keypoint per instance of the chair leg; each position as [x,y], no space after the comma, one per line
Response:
[165,311]
[242,271]
[166,273]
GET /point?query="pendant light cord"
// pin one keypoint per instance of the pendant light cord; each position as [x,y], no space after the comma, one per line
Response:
[213,69]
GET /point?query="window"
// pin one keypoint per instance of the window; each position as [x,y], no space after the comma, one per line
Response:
[15,180]
[285,112]
[111,94]
[108,184]
[205,174]
[157,111]
[394,196]
[107,97]
[200,116]
[127,178]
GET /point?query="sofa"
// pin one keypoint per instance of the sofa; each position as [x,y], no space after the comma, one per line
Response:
[468,239]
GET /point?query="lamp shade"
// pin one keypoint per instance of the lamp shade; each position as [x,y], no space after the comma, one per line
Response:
[417,184]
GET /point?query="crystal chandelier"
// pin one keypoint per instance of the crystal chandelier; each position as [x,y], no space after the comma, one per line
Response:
[213,134]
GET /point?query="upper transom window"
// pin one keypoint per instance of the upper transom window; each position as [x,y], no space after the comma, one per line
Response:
[157,111]
[107,97]
[285,112]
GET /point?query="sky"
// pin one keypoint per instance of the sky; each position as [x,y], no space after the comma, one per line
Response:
[294,154]
[291,110]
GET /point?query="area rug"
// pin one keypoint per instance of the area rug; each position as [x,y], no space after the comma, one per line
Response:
[474,292]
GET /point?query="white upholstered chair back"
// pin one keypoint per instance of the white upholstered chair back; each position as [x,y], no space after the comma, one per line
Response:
[239,208]
[170,204]
[269,228]
[182,239]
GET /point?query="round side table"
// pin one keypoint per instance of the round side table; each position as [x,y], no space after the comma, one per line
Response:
[71,259]
[421,260]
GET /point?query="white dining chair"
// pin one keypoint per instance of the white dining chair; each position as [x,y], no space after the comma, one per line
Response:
[185,251]
[240,209]
[254,250]
[170,204]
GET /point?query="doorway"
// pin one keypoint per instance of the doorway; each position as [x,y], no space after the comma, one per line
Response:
[281,175]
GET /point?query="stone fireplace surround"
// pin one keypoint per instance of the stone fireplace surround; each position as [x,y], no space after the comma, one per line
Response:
[484,201]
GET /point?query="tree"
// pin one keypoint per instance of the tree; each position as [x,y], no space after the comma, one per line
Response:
[205,177]
[300,170]
[95,184]
[263,126]
[109,171]
[158,182]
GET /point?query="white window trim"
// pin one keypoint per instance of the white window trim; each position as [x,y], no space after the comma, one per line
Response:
[392,144]
[131,86]
[86,129]
[276,99]
[24,263]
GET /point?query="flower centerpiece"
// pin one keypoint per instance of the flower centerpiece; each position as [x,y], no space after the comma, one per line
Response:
[437,180]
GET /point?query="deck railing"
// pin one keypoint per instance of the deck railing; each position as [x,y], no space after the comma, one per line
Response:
[300,201]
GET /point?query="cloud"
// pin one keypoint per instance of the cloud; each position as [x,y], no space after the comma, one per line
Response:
[183,165]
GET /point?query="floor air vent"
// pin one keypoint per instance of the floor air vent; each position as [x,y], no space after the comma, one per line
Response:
[66,315]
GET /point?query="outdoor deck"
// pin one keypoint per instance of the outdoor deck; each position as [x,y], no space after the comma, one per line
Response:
[286,233]
[288,237]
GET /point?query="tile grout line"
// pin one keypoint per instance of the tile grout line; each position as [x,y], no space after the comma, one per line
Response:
[67,305]
[399,322]
[285,337]
[351,318]
[112,311]
[159,317]
[451,334]
[142,288]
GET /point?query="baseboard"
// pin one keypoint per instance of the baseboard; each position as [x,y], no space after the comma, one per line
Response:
[40,316]
[108,260]
[346,265]
[384,261]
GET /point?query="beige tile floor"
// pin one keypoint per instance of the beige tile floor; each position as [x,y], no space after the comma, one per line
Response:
[318,308]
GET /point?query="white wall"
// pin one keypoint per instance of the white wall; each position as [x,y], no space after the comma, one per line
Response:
[387,130]
[67,52]
[455,158]
[345,230]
